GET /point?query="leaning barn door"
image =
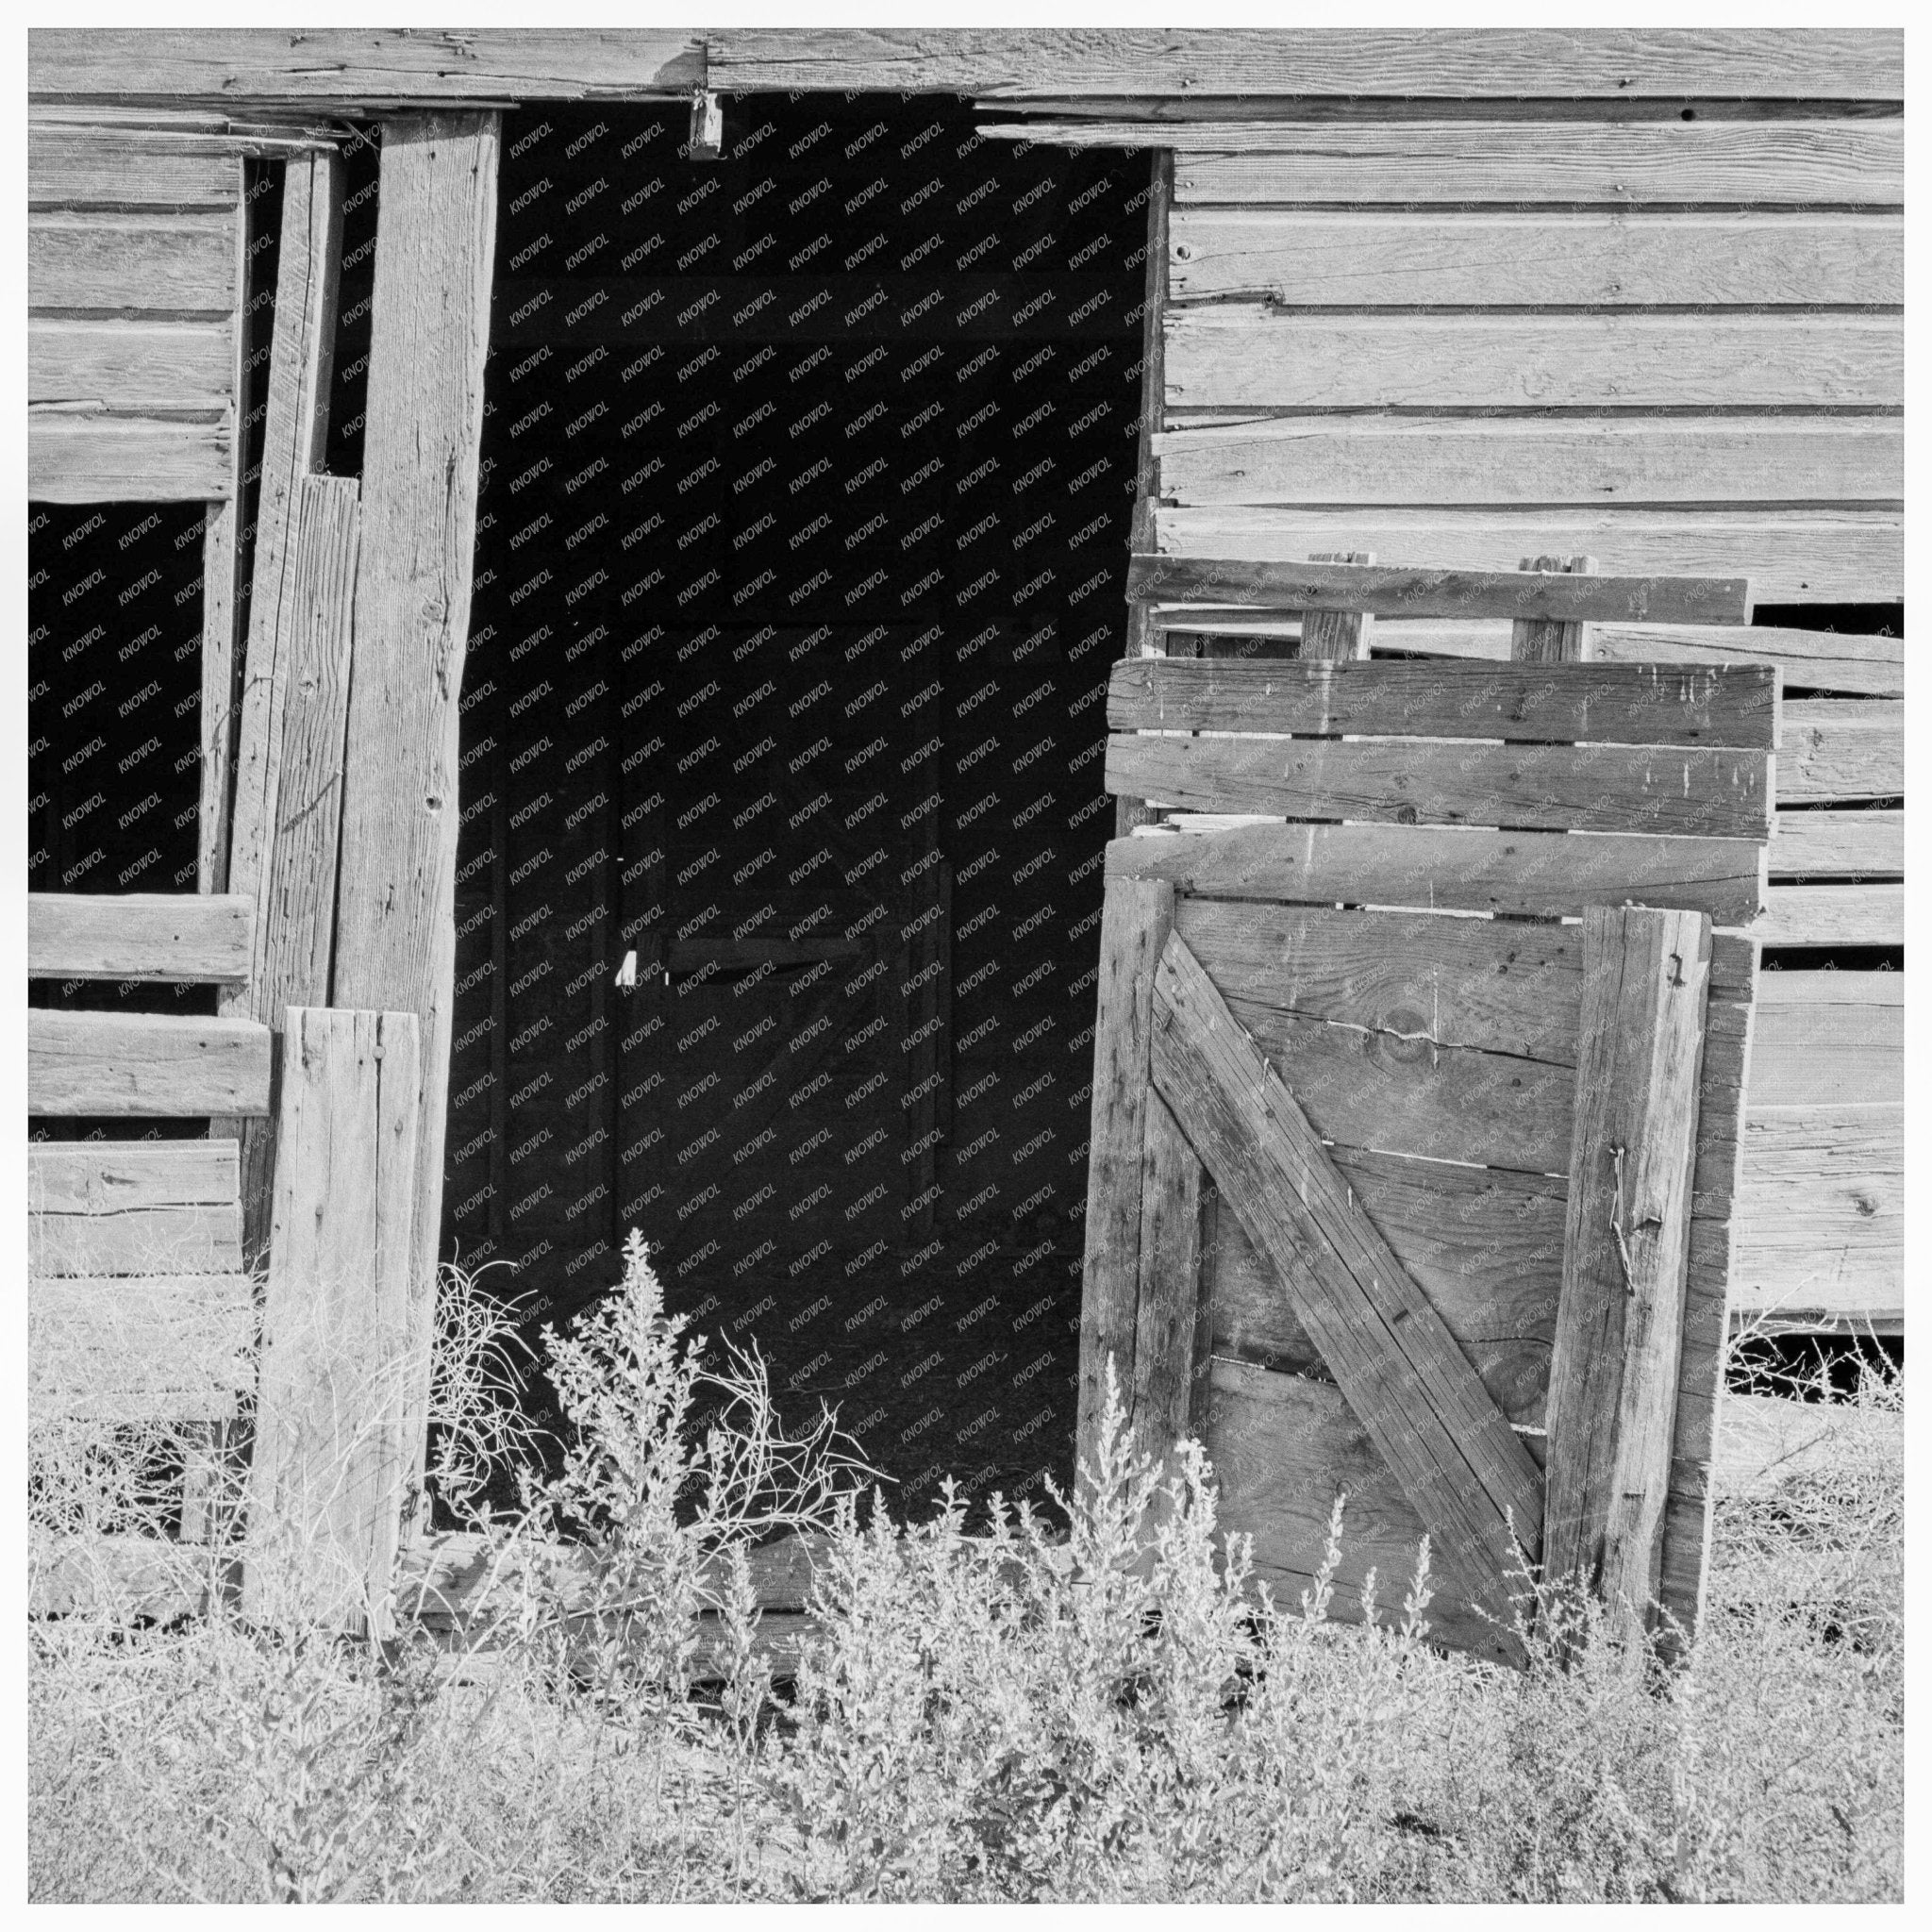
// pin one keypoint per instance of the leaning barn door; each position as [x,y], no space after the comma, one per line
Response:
[1416,1089]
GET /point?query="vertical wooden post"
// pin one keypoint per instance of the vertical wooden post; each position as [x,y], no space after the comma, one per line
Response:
[282,620]
[1337,635]
[396,920]
[1172,1188]
[1135,920]
[220,591]
[1143,640]
[1538,641]
[331,1451]
[1612,1402]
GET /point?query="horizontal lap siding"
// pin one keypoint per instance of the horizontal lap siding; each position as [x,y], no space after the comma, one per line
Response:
[134,277]
[1674,345]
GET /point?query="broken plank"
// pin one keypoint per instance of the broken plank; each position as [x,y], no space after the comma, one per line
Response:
[1448,1444]
[1622,704]
[1259,581]
[1452,867]
[143,1064]
[185,937]
[1684,792]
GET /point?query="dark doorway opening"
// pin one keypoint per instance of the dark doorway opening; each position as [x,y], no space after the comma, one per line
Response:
[808,481]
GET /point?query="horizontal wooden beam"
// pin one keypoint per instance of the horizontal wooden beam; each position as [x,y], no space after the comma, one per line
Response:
[132,264]
[1408,592]
[1243,356]
[1624,703]
[1825,1038]
[1766,163]
[80,167]
[1839,845]
[1399,458]
[131,367]
[1011,63]
[107,1177]
[99,458]
[1569,258]
[1693,791]
[163,1348]
[186,937]
[1810,660]
[1800,556]
[381,66]
[145,1064]
[1832,916]
[1551,872]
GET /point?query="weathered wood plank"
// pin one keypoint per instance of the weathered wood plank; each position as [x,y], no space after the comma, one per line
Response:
[77,167]
[1166,1328]
[1768,163]
[1470,870]
[1268,582]
[1819,1217]
[341,1366]
[1843,748]
[1503,986]
[1839,844]
[264,65]
[1540,640]
[1686,791]
[1824,1038]
[164,1348]
[1800,556]
[1484,1245]
[116,1177]
[131,366]
[1283,1447]
[1614,1361]
[106,458]
[1247,355]
[132,264]
[1508,461]
[1708,1274]
[1627,704]
[1008,64]
[1337,635]
[145,1064]
[1833,915]
[163,936]
[137,1240]
[1134,923]
[1448,1444]
[1371,260]
[1869,666]
[311,649]
[395,934]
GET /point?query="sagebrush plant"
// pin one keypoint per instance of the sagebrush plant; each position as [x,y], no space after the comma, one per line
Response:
[1123,1710]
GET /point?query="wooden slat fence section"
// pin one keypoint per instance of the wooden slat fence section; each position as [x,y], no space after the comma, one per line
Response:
[340,1364]
[144,936]
[145,1065]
